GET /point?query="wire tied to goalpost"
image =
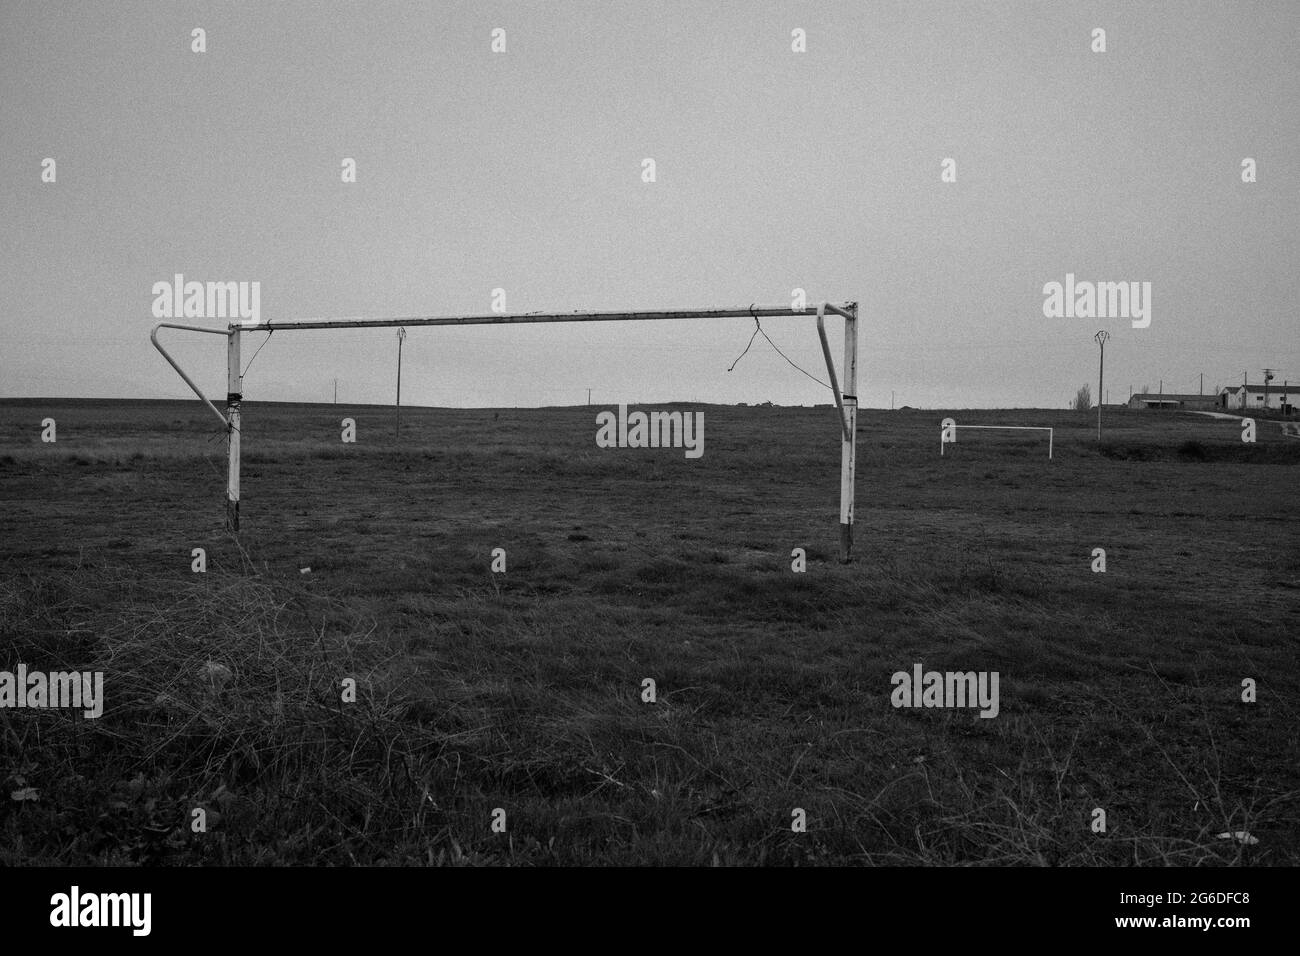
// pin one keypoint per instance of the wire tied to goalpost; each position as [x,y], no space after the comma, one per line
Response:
[758,329]
[270,333]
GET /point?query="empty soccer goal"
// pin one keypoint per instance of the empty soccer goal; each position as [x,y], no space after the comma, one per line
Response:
[846,402]
[948,432]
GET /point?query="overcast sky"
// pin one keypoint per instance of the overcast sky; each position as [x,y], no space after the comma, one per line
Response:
[522,170]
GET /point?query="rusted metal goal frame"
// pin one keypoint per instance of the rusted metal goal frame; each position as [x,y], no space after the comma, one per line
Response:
[846,401]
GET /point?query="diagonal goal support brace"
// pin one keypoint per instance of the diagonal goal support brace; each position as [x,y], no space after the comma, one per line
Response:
[230,420]
[830,370]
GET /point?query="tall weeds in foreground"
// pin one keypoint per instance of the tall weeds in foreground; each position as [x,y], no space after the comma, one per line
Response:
[224,694]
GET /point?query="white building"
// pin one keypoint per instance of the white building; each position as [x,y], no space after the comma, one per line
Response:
[1276,396]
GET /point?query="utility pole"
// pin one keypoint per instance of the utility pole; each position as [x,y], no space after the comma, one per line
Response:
[1101,338]
[1268,377]
[588,396]
[891,400]
[1201,389]
[397,428]
[336,391]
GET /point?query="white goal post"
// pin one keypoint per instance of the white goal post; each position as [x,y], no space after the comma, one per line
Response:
[948,432]
[846,401]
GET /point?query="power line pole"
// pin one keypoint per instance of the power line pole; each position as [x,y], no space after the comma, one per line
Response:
[1101,338]
[1268,377]
[397,429]
[336,391]
[588,396]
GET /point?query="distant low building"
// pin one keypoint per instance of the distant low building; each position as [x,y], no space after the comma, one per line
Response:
[1281,398]
[1170,400]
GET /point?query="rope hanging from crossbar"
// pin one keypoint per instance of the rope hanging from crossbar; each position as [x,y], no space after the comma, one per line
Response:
[758,330]
[259,348]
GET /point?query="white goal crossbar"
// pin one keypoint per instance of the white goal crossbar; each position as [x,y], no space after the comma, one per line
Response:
[846,402]
[948,424]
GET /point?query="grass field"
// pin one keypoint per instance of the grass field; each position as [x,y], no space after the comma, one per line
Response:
[523,691]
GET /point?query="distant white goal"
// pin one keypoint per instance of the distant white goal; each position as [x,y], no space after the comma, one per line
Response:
[948,432]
